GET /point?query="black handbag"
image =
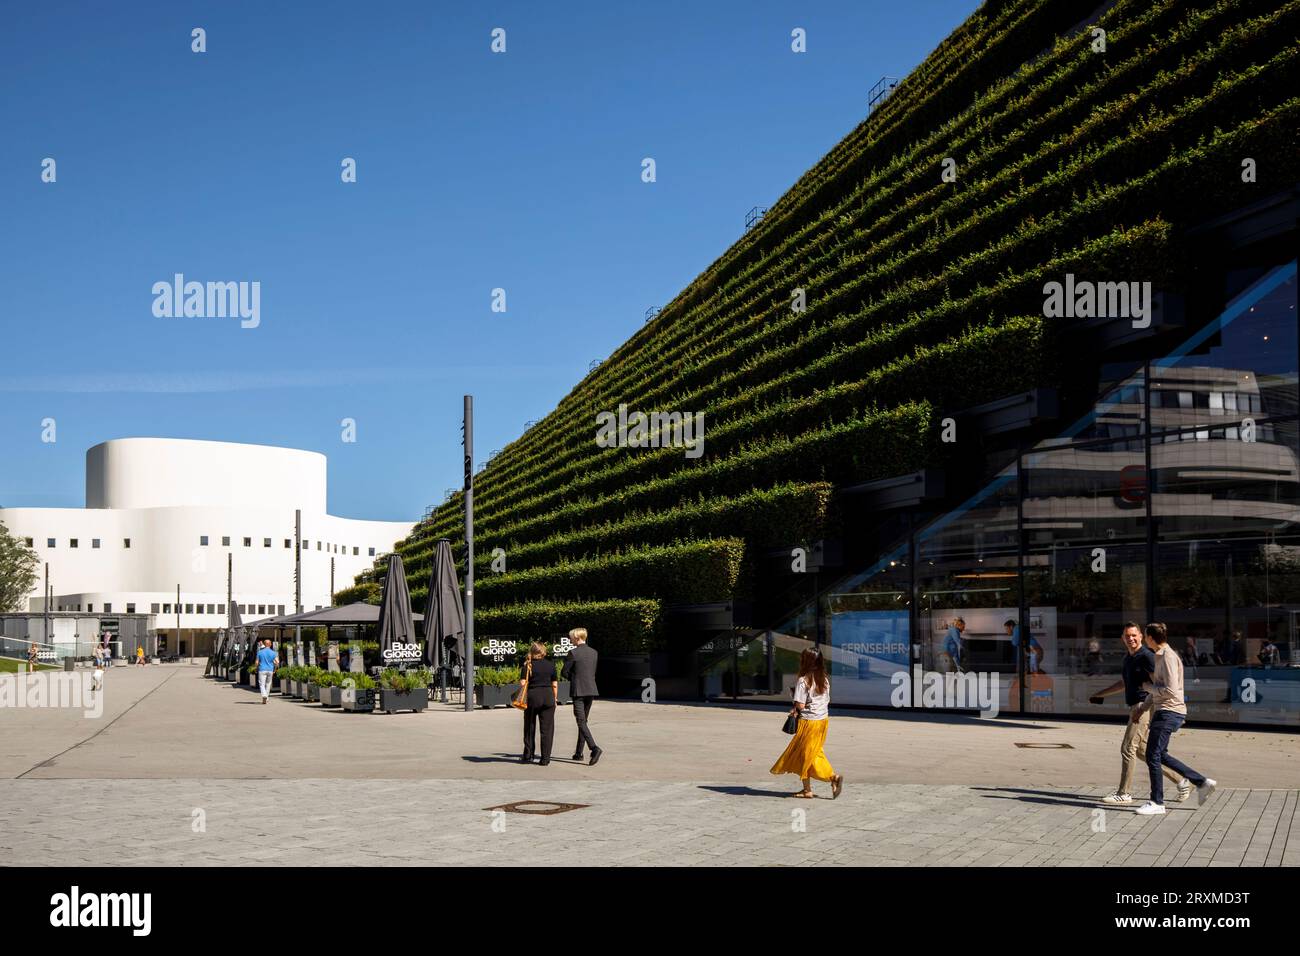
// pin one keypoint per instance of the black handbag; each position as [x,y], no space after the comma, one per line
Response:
[791,724]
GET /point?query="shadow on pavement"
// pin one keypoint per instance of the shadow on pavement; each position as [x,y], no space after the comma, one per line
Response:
[750,792]
[1055,798]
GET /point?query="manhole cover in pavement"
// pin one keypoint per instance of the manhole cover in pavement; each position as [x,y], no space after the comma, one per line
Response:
[541,807]
[1046,746]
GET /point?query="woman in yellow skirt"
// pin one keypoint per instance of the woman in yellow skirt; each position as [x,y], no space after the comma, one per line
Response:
[804,755]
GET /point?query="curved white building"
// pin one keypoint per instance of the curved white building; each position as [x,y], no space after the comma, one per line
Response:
[165,512]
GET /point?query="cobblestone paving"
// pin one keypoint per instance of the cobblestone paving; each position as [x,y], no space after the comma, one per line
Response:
[445,822]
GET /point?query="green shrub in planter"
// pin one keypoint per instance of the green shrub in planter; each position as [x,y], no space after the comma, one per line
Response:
[402,690]
[494,686]
[357,695]
[330,684]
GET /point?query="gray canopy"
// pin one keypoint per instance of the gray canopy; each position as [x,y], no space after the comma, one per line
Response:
[396,625]
[444,611]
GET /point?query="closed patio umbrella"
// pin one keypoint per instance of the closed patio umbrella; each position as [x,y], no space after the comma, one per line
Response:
[444,614]
[395,623]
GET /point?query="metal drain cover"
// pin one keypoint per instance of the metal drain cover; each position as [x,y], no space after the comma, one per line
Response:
[539,807]
[1046,746]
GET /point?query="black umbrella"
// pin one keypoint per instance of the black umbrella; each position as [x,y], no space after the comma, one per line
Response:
[444,614]
[395,623]
[233,633]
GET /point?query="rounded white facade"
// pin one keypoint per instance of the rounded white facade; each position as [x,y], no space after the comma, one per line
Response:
[163,513]
[181,472]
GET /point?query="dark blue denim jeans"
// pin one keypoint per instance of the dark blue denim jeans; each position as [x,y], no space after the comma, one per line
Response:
[1164,723]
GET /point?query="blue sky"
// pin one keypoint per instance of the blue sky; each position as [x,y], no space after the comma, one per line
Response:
[474,171]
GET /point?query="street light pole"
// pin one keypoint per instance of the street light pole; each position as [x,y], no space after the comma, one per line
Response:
[468,669]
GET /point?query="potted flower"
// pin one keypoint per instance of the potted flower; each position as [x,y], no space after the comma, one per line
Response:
[331,688]
[357,693]
[494,686]
[403,690]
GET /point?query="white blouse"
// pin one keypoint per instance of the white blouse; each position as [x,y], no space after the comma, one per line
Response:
[815,705]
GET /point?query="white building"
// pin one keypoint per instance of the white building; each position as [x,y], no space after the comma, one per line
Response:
[162,513]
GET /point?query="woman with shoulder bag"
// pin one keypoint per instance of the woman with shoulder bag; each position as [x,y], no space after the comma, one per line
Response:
[538,691]
[804,755]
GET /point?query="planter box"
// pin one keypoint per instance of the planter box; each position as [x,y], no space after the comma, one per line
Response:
[313,693]
[357,701]
[416,700]
[331,696]
[494,695]
[286,689]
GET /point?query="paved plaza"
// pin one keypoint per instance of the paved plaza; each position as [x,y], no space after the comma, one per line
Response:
[180,770]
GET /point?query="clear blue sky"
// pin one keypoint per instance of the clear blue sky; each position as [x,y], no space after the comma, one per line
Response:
[475,171]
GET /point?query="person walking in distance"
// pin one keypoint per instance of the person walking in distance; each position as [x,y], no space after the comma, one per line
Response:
[582,685]
[543,690]
[805,754]
[1139,665]
[33,655]
[268,662]
[1169,711]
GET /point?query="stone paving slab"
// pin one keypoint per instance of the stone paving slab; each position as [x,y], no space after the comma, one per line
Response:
[187,772]
[444,822]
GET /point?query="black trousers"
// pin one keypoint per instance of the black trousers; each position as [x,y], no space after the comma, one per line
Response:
[541,704]
[581,713]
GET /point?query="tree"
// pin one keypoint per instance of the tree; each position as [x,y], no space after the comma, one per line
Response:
[18,565]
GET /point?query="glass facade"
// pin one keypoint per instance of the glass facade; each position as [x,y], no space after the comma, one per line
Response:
[1176,499]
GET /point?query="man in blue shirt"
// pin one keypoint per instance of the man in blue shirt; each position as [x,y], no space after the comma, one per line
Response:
[1138,668]
[1035,649]
[268,662]
[953,645]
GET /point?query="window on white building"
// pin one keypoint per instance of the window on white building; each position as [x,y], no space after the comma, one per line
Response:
[49,542]
[130,609]
[212,609]
[266,542]
[153,608]
[288,543]
[355,550]
[167,608]
[189,609]
[126,542]
[72,542]
[108,608]
[94,542]
[221,609]
[225,540]
[248,542]
[317,545]
[261,609]
[372,552]
[90,609]
[203,540]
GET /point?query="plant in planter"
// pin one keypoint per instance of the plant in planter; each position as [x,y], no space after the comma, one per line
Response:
[563,692]
[357,693]
[402,690]
[494,686]
[286,678]
[330,684]
[312,679]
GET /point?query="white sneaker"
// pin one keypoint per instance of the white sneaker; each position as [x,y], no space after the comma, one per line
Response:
[1184,789]
[1150,809]
[1117,798]
[1204,790]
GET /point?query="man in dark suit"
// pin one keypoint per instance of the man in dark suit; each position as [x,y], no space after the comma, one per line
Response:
[581,672]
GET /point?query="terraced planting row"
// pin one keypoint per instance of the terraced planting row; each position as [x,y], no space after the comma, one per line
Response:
[923,297]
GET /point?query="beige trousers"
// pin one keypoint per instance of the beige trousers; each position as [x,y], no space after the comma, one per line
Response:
[1133,752]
